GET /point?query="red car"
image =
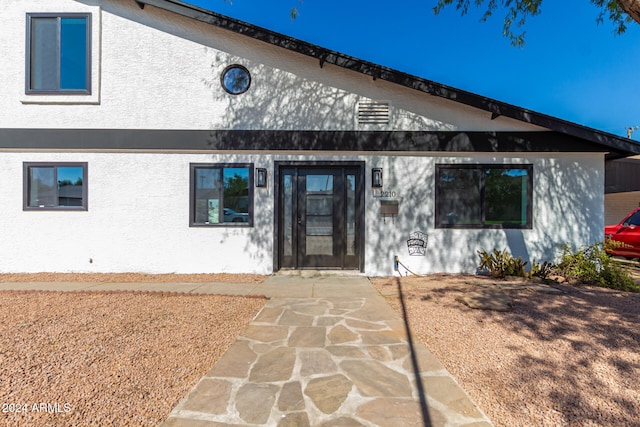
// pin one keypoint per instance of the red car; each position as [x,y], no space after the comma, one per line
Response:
[627,236]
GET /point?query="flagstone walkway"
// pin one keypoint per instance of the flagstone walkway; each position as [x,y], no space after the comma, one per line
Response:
[326,351]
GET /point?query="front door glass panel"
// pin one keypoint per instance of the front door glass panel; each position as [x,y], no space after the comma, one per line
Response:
[287,208]
[319,215]
[351,214]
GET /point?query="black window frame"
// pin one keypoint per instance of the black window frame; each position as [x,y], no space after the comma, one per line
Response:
[28,83]
[193,167]
[439,223]
[26,185]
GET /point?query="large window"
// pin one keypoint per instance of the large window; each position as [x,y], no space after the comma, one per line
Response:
[55,186]
[221,194]
[484,196]
[58,53]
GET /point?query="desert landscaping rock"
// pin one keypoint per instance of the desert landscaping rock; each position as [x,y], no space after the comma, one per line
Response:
[561,359]
[349,351]
[487,298]
[290,318]
[447,391]
[267,334]
[210,395]
[386,412]
[254,402]
[493,296]
[316,362]
[555,359]
[375,379]
[359,324]
[342,422]
[235,362]
[341,334]
[328,393]
[295,419]
[120,358]
[291,398]
[545,289]
[379,353]
[275,365]
[308,337]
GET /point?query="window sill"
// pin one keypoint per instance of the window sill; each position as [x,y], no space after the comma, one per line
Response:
[53,209]
[223,225]
[62,99]
[485,227]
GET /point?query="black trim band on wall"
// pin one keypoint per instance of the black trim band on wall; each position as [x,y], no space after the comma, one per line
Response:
[281,140]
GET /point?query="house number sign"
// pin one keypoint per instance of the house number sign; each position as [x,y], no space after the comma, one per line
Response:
[384,193]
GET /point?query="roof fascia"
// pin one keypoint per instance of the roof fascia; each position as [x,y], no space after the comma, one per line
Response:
[376,71]
[264,141]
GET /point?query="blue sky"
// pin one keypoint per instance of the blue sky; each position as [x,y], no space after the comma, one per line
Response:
[570,68]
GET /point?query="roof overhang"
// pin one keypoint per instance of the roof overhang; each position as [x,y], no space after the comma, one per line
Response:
[619,146]
[414,142]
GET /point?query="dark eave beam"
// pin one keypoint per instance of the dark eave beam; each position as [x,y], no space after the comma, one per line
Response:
[301,141]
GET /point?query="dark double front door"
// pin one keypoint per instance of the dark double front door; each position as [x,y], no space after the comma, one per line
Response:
[320,216]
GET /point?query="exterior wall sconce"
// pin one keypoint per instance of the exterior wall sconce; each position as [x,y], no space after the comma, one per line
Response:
[376,177]
[261,177]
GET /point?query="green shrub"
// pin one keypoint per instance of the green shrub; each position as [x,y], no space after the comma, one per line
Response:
[589,265]
[501,263]
[592,265]
[541,270]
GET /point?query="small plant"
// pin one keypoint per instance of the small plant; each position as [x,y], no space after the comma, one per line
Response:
[541,270]
[593,266]
[501,263]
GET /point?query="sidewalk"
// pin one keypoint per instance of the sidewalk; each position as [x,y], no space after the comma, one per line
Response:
[326,350]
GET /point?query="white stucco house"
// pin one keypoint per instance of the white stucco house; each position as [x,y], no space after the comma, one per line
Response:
[154,136]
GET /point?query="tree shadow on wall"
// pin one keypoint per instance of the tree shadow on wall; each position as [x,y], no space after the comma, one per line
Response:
[324,102]
[564,210]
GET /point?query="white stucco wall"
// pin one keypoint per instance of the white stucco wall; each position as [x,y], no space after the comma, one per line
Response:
[137,220]
[156,70]
[568,196]
[138,216]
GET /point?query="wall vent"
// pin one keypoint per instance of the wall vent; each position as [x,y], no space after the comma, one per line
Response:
[373,112]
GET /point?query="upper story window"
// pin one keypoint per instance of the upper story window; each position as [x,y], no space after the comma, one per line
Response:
[58,53]
[221,194]
[55,186]
[484,196]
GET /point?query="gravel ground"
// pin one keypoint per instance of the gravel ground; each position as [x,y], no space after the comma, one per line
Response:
[571,359]
[109,359]
[124,358]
